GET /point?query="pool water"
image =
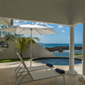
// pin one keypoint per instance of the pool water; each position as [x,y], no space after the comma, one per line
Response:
[57,61]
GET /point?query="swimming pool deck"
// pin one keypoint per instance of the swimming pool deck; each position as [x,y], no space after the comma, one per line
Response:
[7,75]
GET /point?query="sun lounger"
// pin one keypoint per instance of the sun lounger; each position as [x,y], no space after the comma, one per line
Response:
[23,71]
[34,68]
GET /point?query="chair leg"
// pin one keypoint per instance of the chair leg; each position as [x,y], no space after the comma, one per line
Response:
[38,83]
[51,68]
[63,80]
[17,83]
[55,81]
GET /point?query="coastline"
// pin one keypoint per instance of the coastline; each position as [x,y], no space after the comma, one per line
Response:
[64,52]
[61,48]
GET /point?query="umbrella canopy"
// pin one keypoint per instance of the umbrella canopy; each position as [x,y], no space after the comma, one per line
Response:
[6,21]
[32,30]
[25,29]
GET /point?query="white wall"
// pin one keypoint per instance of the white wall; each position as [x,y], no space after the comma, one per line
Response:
[38,51]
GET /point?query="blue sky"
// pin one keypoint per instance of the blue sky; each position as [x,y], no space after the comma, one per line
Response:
[62,30]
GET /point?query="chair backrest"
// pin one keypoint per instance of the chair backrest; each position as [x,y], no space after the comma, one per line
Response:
[24,65]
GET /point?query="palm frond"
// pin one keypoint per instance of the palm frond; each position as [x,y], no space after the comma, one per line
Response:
[36,38]
[21,43]
[33,39]
[10,38]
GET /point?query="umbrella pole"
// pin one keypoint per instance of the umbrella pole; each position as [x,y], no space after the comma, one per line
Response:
[31,51]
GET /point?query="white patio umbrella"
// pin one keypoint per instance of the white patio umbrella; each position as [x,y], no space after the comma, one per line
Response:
[31,30]
[6,21]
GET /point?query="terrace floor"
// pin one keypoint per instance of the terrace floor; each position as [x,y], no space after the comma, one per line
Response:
[7,75]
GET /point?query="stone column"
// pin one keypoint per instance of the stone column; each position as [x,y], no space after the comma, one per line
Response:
[82,77]
[71,70]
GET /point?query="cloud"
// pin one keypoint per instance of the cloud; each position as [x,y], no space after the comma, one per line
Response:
[43,24]
[25,21]
[16,20]
[60,26]
[19,22]
[67,28]
[63,31]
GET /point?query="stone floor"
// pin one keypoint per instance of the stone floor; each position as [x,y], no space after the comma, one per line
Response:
[7,76]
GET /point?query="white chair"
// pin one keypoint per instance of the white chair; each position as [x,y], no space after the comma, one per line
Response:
[34,68]
[22,71]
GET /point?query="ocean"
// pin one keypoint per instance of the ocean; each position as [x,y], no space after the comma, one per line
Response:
[65,53]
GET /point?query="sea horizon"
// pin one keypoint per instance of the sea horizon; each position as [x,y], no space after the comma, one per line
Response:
[57,44]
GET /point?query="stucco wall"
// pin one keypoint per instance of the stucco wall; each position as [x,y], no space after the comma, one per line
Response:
[38,51]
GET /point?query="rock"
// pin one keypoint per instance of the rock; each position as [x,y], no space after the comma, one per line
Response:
[61,48]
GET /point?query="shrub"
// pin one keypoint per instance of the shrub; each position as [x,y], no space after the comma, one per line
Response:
[78,54]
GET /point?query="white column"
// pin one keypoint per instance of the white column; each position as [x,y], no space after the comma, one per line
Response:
[71,70]
[82,77]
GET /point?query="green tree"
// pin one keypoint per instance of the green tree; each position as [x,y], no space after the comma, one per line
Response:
[21,43]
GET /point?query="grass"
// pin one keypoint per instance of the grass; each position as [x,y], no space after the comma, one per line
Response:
[77,54]
[13,60]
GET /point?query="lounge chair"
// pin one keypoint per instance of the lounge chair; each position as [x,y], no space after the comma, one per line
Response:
[34,68]
[23,71]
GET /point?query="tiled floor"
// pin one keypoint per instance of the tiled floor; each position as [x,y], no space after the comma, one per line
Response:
[7,76]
